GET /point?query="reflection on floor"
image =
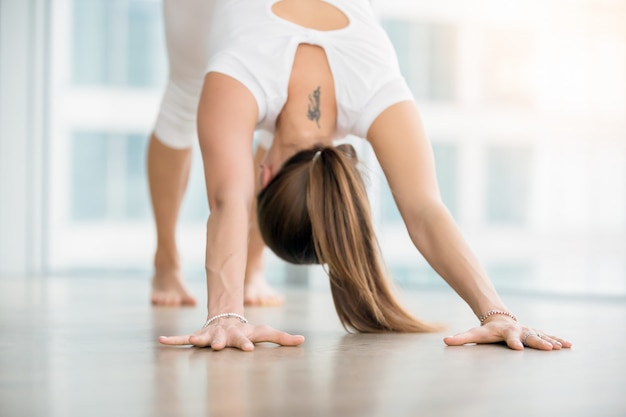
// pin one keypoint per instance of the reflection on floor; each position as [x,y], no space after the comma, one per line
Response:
[87,347]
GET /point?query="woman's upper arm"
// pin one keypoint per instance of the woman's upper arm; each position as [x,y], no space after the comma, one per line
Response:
[227,115]
[405,155]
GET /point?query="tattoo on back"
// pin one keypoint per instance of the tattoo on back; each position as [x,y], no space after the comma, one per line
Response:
[314,113]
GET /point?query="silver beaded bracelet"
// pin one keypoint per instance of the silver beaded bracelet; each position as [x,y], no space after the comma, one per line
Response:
[493,313]
[225,315]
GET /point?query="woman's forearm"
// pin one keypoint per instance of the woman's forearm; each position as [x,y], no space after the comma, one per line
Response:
[438,238]
[226,247]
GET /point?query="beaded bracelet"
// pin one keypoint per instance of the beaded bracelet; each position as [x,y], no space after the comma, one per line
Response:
[493,313]
[225,315]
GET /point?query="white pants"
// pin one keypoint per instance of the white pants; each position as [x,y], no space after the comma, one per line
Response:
[187,27]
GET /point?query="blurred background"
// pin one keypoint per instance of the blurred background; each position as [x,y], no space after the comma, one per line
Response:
[524,102]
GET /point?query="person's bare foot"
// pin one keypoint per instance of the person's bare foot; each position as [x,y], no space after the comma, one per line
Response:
[257,292]
[168,289]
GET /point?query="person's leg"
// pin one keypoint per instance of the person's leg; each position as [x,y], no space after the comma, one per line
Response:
[187,27]
[168,172]
[256,289]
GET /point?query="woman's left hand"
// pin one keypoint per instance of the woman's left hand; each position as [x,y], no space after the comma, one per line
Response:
[504,329]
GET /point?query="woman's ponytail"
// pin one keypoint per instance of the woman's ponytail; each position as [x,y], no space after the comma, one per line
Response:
[344,240]
[316,210]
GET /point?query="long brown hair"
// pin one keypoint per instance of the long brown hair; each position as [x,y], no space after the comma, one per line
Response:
[316,210]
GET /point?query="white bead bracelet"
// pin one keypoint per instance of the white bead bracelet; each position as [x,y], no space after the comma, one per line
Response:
[225,315]
[493,313]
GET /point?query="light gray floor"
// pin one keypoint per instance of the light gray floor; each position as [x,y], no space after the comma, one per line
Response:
[87,347]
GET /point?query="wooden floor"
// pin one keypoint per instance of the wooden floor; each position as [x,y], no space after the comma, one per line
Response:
[87,347]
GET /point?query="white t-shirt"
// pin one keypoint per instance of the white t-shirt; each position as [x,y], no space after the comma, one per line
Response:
[257,48]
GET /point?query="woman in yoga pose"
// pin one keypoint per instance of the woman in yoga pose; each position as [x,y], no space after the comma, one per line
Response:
[310,72]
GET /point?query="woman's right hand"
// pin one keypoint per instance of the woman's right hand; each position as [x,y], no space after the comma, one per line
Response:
[232,333]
